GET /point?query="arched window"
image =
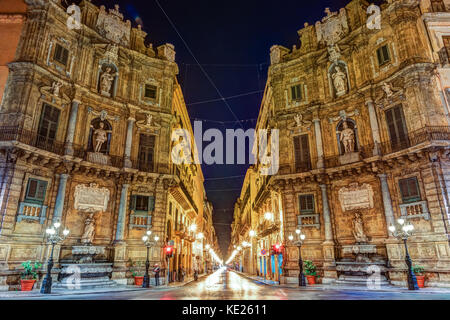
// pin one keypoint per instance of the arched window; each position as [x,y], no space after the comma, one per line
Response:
[100,136]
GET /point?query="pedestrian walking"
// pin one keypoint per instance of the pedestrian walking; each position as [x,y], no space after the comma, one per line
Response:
[157,270]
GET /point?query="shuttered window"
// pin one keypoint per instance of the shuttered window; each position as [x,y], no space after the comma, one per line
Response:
[146,152]
[397,128]
[142,203]
[296,93]
[409,189]
[61,54]
[302,155]
[383,55]
[48,126]
[36,190]
[150,91]
[446,41]
[306,204]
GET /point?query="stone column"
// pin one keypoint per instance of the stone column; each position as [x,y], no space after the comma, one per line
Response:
[122,213]
[60,198]
[128,143]
[71,127]
[374,126]
[319,144]
[387,202]
[329,264]
[326,214]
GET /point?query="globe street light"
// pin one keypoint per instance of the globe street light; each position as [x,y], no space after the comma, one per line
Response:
[299,242]
[53,237]
[402,231]
[148,243]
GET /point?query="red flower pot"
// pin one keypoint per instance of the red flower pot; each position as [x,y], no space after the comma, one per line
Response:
[421,281]
[139,281]
[27,285]
[311,280]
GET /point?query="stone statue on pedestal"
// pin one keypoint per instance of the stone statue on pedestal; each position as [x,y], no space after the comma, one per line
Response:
[89,230]
[340,81]
[358,229]
[106,81]
[348,139]
[100,136]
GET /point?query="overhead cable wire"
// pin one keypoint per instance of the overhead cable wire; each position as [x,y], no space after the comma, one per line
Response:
[198,63]
[227,98]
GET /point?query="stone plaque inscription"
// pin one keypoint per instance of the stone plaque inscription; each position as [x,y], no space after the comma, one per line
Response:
[356,197]
[91,198]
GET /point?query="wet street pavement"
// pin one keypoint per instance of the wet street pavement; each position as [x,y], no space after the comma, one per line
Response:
[224,285]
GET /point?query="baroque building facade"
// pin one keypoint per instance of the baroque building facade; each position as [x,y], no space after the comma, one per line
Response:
[86,120]
[363,120]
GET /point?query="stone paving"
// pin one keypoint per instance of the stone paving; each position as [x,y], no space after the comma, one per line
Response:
[224,285]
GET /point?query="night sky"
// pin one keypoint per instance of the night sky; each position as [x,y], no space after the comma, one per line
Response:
[231,40]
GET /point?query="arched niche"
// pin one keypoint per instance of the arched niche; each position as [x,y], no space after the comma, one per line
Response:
[100,130]
[340,127]
[342,67]
[108,76]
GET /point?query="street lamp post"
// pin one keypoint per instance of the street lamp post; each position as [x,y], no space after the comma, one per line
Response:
[402,231]
[148,244]
[299,243]
[54,237]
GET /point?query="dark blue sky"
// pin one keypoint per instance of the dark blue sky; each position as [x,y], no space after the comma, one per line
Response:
[232,39]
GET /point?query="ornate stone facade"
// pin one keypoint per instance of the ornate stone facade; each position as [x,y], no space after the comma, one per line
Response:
[85,139]
[376,147]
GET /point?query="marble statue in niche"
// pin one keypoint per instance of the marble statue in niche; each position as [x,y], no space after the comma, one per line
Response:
[106,81]
[100,137]
[339,81]
[348,138]
[358,229]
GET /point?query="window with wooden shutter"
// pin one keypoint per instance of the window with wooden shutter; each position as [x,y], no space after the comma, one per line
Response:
[409,189]
[61,54]
[150,91]
[306,204]
[296,93]
[302,154]
[446,40]
[397,128]
[383,55]
[36,190]
[438,6]
[48,125]
[146,152]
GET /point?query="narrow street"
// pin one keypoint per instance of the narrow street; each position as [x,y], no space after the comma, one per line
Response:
[224,285]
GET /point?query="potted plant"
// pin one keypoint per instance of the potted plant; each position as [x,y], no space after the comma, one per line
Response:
[29,275]
[310,272]
[419,272]
[137,273]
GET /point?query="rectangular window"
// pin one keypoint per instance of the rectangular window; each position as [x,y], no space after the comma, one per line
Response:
[438,6]
[61,54]
[446,40]
[48,126]
[146,152]
[296,93]
[383,55]
[306,204]
[397,128]
[36,190]
[409,189]
[150,91]
[302,154]
[142,203]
